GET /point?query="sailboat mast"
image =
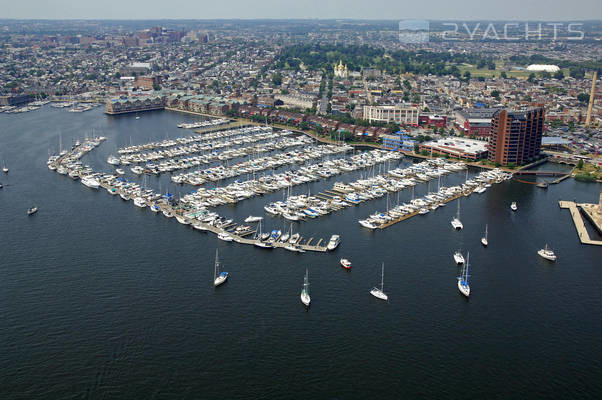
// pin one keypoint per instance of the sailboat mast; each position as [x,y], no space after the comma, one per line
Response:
[382,278]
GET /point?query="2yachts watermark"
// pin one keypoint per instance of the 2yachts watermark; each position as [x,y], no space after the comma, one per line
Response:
[418,31]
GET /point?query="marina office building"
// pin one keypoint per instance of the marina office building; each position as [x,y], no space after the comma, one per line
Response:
[516,136]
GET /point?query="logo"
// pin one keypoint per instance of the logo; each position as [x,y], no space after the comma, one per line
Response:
[414,31]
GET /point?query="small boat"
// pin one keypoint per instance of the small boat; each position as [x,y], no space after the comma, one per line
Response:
[182,220]
[113,160]
[225,236]
[5,169]
[155,208]
[222,277]
[119,171]
[345,263]
[456,223]
[32,210]
[305,299]
[1,185]
[294,238]
[91,182]
[139,202]
[513,206]
[458,257]
[264,245]
[294,248]
[251,218]
[484,240]
[379,293]
[334,242]
[547,253]
[463,285]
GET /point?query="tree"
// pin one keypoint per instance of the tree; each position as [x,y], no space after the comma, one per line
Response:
[559,75]
[416,148]
[503,75]
[467,75]
[583,97]
[156,87]
[495,94]
[580,164]
[277,79]
[531,77]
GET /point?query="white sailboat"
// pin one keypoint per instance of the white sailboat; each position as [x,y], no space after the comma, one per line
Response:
[379,293]
[5,168]
[456,223]
[463,285]
[222,277]
[305,299]
[513,206]
[484,240]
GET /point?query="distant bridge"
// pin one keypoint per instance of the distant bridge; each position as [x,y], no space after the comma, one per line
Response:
[540,173]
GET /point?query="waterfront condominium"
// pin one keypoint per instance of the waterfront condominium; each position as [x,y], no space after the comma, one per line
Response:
[516,136]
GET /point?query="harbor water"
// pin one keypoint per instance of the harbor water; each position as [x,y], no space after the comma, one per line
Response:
[100,299]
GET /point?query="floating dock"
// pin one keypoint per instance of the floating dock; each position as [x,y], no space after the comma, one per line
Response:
[578,220]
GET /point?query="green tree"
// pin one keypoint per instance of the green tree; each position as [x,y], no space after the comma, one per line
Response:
[503,75]
[583,97]
[277,79]
[495,94]
[580,164]
[531,77]
[559,75]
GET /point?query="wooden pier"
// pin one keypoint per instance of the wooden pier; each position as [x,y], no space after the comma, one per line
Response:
[578,221]
[410,215]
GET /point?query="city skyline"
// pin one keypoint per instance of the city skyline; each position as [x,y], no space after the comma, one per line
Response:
[512,10]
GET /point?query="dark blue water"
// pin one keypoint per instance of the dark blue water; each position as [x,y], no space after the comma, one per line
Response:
[101,300]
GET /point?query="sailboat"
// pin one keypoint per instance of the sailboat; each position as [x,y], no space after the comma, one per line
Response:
[513,206]
[484,240]
[305,299]
[5,168]
[456,223]
[378,293]
[463,285]
[222,277]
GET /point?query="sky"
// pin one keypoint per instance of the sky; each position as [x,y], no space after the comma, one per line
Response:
[512,10]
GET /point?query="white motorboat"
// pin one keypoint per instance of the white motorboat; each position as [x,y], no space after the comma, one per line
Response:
[379,293]
[305,299]
[225,236]
[251,218]
[294,248]
[513,206]
[32,210]
[484,240]
[113,160]
[334,242]
[139,202]
[91,182]
[119,171]
[182,220]
[458,257]
[220,278]
[463,285]
[547,253]
[345,263]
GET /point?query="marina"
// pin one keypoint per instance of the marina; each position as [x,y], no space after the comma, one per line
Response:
[135,278]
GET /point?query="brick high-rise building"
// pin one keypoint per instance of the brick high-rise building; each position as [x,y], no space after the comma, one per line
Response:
[516,136]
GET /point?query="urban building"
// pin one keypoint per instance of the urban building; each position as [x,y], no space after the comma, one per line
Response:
[398,141]
[475,121]
[516,136]
[148,82]
[464,149]
[401,114]
[136,104]
[341,71]
[15,99]
[297,100]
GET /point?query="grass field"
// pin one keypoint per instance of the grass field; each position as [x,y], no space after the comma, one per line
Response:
[487,73]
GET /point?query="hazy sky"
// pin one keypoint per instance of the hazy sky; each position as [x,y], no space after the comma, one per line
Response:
[514,10]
